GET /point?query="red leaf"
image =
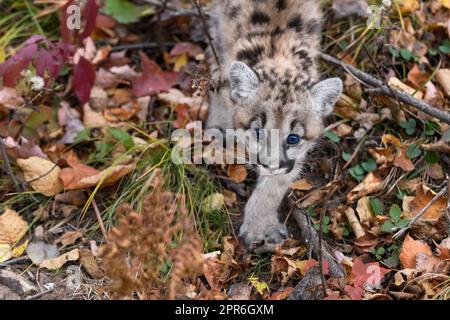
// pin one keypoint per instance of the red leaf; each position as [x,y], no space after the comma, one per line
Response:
[355,293]
[65,32]
[371,274]
[11,69]
[153,79]
[90,12]
[186,47]
[83,79]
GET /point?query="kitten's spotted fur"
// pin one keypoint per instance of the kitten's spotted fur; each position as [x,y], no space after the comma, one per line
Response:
[267,52]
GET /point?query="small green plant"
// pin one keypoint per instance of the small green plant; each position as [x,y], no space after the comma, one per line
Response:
[378,252]
[395,220]
[359,171]
[409,126]
[377,206]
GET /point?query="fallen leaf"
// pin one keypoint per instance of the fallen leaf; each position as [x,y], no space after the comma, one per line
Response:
[83,79]
[346,8]
[186,47]
[409,250]
[12,227]
[440,146]
[403,162]
[418,77]
[398,84]
[10,98]
[281,295]
[364,211]
[443,79]
[44,175]
[354,223]
[301,185]
[238,173]
[5,252]
[58,262]
[81,176]
[88,262]
[69,238]
[371,183]
[355,293]
[422,198]
[153,79]
[407,6]
[93,119]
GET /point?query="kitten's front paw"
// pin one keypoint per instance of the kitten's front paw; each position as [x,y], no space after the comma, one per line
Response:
[257,235]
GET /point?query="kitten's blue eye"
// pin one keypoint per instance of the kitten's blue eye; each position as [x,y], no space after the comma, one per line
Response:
[258,133]
[293,139]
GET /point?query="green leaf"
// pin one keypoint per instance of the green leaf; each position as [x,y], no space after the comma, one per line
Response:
[432,157]
[402,223]
[376,205]
[387,226]
[357,177]
[123,137]
[123,11]
[433,52]
[381,251]
[333,136]
[83,135]
[406,54]
[445,47]
[394,51]
[346,156]
[392,261]
[413,151]
[395,212]
[370,165]
[411,123]
[359,170]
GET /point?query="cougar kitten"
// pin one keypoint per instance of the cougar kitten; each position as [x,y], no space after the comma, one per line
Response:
[267,50]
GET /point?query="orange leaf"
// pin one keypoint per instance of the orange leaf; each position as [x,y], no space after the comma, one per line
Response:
[410,249]
[238,173]
[403,162]
[422,198]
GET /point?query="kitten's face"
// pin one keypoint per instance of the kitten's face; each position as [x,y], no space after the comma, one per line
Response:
[281,123]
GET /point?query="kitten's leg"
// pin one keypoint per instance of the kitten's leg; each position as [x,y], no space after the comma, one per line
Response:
[261,224]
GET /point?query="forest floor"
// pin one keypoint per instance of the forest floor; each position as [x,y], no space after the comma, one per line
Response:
[93,207]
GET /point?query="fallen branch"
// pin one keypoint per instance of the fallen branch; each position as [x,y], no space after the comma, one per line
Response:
[381,89]
[420,214]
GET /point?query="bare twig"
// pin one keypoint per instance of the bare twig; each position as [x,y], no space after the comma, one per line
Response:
[13,261]
[206,29]
[380,88]
[322,215]
[8,168]
[421,213]
[99,220]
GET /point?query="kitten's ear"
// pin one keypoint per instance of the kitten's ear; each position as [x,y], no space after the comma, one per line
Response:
[243,81]
[325,94]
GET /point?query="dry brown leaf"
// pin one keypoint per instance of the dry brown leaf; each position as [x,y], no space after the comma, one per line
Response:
[238,173]
[12,227]
[422,198]
[371,183]
[354,223]
[69,238]
[93,119]
[5,252]
[10,98]
[410,249]
[440,146]
[80,176]
[364,211]
[398,84]
[444,249]
[403,162]
[429,263]
[417,77]
[435,171]
[58,262]
[301,185]
[88,262]
[443,79]
[46,173]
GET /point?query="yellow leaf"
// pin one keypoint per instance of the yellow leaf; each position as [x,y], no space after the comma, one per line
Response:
[12,227]
[445,3]
[259,286]
[2,55]
[5,252]
[407,6]
[180,61]
[18,250]
[44,173]
[58,262]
